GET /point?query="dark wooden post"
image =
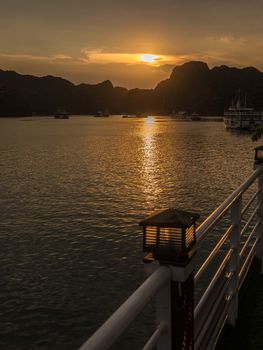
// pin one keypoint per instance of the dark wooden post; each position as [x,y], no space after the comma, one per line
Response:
[182,314]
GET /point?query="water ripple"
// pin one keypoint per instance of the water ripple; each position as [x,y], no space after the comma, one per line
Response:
[71,197]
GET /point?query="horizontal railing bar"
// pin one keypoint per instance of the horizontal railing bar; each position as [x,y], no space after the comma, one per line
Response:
[213,253]
[207,292]
[245,272]
[210,224]
[249,238]
[210,317]
[213,218]
[152,342]
[218,329]
[247,263]
[244,210]
[127,312]
[249,221]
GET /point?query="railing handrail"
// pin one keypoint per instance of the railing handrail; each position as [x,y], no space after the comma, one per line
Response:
[237,270]
[215,216]
[105,336]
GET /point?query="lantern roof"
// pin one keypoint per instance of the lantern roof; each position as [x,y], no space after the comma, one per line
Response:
[171,218]
[259,148]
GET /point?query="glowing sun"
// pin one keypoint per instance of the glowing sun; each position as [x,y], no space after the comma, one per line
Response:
[148,58]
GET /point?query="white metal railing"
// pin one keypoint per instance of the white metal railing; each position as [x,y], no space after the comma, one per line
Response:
[127,312]
[230,258]
[219,301]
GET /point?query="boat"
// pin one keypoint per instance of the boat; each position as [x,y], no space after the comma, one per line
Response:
[61,114]
[141,116]
[100,114]
[241,117]
[134,116]
[181,115]
[195,117]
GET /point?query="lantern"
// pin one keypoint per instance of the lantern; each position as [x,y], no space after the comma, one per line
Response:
[169,236]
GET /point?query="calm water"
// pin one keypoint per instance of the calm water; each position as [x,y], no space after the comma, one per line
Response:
[72,193]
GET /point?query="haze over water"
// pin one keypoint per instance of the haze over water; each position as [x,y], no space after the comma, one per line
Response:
[72,194]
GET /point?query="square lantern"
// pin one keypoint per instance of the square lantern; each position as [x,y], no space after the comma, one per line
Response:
[169,236]
[259,154]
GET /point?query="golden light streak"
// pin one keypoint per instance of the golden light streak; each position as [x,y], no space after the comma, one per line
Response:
[149,120]
[100,56]
[149,58]
[150,182]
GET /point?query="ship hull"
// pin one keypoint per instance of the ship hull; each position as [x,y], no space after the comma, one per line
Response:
[244,120]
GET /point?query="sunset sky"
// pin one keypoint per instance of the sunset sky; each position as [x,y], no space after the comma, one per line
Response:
[133,43]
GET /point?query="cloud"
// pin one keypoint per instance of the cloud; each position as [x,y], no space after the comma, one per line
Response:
[36,57]
[62,58]
[233,41]
[23,57]
[101,56]
[227,39]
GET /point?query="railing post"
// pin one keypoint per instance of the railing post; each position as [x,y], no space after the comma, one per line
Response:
[170,237]
[182,307]
[234,261]
[163,314]
[175,307]
[260,215]
[258,164]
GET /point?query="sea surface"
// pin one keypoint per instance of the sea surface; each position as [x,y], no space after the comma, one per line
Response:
[71,195]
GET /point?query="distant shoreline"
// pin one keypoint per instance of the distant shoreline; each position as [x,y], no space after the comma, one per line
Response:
[201,118]
[192,88]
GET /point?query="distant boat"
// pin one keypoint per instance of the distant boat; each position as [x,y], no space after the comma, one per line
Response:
[240,117]
[195,117]
[141,115]
[61,114]
[101,114]
[135,116]
[181,115]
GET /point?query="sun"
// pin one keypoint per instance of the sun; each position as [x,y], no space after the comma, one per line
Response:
[149,58]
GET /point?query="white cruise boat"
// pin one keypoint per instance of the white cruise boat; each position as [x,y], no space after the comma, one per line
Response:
[242,117]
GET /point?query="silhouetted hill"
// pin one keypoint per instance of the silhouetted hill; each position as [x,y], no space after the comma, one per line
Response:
[191,87]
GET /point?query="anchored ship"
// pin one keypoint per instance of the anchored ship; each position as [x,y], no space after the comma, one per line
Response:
[241,117]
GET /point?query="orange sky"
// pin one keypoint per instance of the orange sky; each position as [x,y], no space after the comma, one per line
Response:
[90,41]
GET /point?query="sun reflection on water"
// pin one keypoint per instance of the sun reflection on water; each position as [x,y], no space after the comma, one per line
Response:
[150,175]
